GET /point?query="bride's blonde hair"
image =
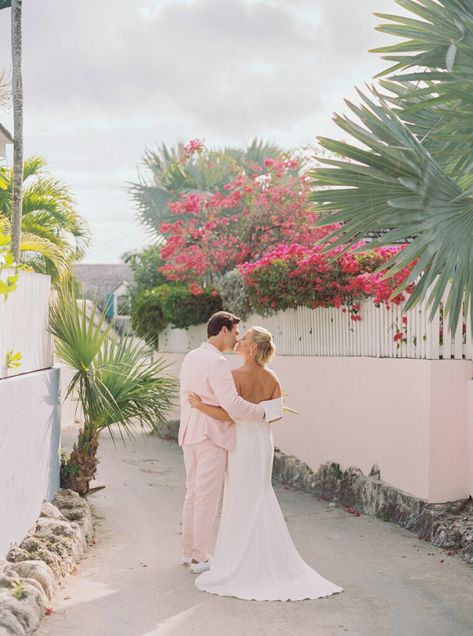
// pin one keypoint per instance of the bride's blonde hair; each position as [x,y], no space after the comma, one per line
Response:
[265,344]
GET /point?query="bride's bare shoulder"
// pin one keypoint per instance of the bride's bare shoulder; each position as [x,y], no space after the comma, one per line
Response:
[272,382]
[270,373]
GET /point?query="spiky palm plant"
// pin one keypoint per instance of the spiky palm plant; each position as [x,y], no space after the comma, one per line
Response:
[165,176]
[409,170]
[114,381]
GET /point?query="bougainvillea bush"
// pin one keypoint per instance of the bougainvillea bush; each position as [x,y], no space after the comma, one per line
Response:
[252,246]
[215,232]
[295,275]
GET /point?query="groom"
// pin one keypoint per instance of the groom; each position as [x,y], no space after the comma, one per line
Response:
[205,440]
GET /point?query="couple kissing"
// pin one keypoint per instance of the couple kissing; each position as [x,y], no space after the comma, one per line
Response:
[226,438]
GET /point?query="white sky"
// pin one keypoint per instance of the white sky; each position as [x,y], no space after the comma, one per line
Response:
[104,79]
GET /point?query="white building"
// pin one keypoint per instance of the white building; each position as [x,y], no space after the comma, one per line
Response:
[5,138]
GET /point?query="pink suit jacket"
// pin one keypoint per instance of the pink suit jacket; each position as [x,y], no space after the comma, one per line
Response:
[205,371]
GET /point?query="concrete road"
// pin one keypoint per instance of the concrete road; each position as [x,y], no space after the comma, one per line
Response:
[131,583]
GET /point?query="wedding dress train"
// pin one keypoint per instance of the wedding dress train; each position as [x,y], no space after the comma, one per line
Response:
[254,557]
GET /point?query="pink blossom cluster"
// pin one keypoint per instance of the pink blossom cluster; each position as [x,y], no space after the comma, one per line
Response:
[194,146]
[293,274]
[262,222]
[213,233]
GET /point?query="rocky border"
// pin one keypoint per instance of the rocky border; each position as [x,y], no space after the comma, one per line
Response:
[447,525]
[32,570]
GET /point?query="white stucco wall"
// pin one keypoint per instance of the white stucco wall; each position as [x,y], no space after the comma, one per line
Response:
[414,418]
[29,450]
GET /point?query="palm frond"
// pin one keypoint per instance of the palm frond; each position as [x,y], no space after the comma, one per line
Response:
[55,232]
[114,379]
[393,185]
[409,171]
[164,176]
[434,64]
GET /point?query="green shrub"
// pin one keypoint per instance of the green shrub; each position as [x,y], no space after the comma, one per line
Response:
[147,314]
[145,267]
[182,308]
[234,294]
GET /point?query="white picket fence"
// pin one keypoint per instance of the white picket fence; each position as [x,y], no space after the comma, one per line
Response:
[23,325]
[330,332]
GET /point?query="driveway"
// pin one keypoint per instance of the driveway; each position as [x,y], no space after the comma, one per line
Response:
[130,583]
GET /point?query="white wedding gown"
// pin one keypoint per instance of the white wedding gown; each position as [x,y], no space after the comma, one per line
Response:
[255,558]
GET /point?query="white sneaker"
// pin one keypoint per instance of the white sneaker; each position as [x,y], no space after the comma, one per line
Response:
[202,566]
[186,560]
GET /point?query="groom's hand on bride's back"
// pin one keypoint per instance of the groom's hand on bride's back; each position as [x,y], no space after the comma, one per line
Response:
[194,400]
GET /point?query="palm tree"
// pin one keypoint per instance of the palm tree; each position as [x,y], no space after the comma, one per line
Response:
[167,175]
[38,249]
[48,217]
[113,380]
[409,170]
[17,92]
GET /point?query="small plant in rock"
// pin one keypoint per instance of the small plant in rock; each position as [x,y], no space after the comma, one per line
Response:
[19,590]
[68,470]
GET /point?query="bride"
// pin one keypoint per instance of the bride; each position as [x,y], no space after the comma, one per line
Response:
[255,558]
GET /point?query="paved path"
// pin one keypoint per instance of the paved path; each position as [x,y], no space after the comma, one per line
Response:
[131,584]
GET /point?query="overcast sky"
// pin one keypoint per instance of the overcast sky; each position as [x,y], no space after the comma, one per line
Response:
[104,79]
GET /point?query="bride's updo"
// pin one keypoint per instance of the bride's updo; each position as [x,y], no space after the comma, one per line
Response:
[266,347]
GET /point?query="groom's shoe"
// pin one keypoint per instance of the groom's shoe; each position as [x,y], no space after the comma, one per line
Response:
[201,566]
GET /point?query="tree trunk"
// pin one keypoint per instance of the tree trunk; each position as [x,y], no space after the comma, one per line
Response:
[17,92]
[83,460]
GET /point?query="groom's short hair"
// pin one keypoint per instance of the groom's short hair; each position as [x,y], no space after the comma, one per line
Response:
[219,320]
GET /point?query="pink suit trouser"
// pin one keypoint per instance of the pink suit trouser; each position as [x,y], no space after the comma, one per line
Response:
[205,464]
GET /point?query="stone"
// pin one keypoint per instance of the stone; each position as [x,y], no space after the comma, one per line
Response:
[18,554]
[76,509]
[27,611]
[37,570]
[49,551]
[448,525]
[9,624]
[375,472]
[48,510]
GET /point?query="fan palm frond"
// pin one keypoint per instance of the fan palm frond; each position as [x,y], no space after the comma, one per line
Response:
[408,171]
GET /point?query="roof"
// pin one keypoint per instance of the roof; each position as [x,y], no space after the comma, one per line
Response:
[98,281]
[7,136]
